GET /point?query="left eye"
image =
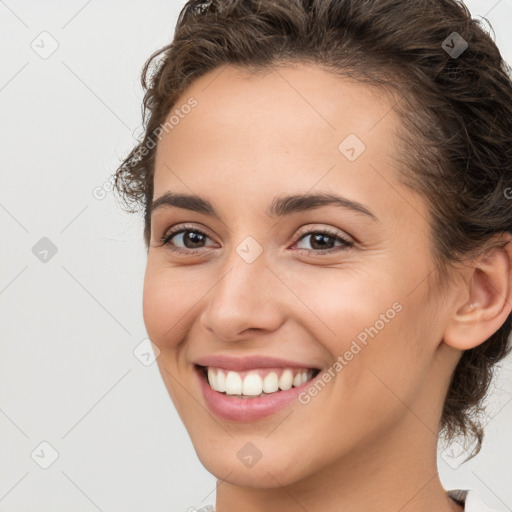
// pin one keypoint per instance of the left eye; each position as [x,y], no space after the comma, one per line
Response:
[324,241]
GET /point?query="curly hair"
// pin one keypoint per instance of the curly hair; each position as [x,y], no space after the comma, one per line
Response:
[453,94]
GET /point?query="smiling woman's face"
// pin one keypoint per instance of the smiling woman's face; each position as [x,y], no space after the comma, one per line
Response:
[260,280]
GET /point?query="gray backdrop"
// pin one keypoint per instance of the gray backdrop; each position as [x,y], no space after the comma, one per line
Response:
[85,421]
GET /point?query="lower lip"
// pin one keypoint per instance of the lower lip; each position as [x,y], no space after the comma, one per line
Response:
[247,409]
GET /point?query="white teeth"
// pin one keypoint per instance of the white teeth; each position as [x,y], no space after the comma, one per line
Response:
[233,384]
[221,381]
[252,384]
[270,383]
[286,380]
[212,379]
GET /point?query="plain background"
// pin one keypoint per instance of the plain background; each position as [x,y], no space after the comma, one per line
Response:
[70,321]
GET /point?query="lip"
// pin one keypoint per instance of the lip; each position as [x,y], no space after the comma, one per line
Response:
[247,409]
[249,362]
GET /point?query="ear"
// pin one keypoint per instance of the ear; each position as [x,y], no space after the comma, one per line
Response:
[485,300]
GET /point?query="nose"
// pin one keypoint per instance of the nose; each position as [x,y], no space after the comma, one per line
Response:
[246,296]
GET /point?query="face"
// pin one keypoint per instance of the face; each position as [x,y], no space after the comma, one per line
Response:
[246,275]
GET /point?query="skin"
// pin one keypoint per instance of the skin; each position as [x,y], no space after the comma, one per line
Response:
[367,441]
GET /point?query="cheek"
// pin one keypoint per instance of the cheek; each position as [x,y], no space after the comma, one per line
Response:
[167,306]
[377,331]
[156,299]
[351,305]
[167,303]
[386,373]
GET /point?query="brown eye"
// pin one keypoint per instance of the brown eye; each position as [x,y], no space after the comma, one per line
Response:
[322,241]
[191,239]
[185,239]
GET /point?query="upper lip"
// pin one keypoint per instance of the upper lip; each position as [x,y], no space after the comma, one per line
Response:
[248,362]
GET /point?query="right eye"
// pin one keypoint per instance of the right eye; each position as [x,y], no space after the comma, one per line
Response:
[188,239]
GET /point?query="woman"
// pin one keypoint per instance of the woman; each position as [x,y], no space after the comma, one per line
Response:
[325,186]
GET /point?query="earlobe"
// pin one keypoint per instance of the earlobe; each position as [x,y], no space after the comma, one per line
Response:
[487,299]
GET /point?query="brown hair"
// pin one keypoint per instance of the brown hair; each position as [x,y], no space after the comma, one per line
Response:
[455,140]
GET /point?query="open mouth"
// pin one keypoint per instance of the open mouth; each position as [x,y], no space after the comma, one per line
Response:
[255,383]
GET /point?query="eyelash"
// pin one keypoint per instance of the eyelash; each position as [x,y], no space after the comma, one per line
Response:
[346,244]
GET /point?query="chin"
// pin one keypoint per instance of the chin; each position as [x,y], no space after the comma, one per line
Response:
[271,470]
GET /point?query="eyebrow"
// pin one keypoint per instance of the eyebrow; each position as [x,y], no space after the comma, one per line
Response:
[280,205]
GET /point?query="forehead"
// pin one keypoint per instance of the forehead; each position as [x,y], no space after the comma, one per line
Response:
[287,127]
[307,102]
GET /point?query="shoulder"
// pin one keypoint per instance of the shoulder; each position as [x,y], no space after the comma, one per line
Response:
[470,499]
